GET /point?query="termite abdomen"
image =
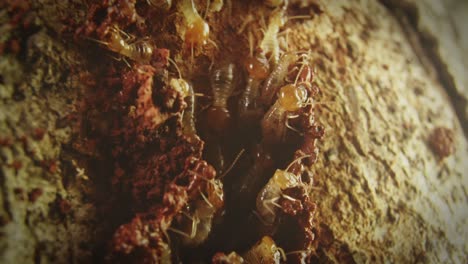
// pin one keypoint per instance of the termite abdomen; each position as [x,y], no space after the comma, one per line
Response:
[256,176]
[276,79]
[256,70]
[222,84]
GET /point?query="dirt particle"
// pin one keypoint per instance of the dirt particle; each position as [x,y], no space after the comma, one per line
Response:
[15,46]
[64,206]
[19,192]
[325,236]
[4,221]
[34,194]
[50,165]
[442,142]
[6,142]
[18,95]
[344,255]
[16,164]
[38,134]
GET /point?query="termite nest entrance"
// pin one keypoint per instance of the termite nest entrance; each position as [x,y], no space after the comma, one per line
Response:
[213,141]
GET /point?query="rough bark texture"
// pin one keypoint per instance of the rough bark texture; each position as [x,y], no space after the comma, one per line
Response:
[384,192]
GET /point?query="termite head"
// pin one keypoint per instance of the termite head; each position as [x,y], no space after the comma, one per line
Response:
[265,251]
[181,86]
[257,67]
[278,18]
[197,29]
[114,40]
[292,97]
[197,32]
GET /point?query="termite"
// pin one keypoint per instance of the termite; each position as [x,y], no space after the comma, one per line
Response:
[275,122]
[197,31]
[256,175]
[222,84]
[269,44]
[196,230]
[265,251]
[140,51]
[276,78]
[270,194]
[256,67]
[188,118]
[206,210]
[216,5]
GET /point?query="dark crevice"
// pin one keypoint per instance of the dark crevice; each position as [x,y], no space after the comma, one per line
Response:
[427,47]
[6,200]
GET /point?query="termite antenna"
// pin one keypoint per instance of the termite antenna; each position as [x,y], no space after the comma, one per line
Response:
[187,215]
[127,63]
[213,43]
[232,164]
[195,222]
[98,41]
[201,95]
[125,34]
[310,102]
[229,10]
[299,72]
[289,72]
[299,17]
[291,127]
[191,54]
[301,52]
[168,238]
[244,24]
[175,66]
[251,44]
[182,233]
[210,181]
[193,232]
[207,8]
[206,199]
[296,160]
[283,255]
[296,252]
[262,23]
[193,6]
[200,176]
